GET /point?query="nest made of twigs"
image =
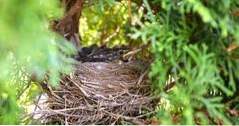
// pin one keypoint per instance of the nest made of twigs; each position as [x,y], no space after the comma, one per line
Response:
[101,93]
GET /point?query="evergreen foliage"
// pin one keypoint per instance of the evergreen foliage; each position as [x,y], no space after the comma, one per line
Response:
[28,47]
[195,42]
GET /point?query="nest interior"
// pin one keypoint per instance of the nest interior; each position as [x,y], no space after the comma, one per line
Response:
[101,92]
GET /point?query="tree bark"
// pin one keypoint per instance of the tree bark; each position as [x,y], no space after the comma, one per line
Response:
[68,26]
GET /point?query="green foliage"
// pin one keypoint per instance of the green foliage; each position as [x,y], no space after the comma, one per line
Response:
[190,41]
[105,22]
[28,47]
[102,23]
[9,109]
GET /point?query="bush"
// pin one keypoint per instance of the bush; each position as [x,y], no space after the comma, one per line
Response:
[27,47]
[196,43]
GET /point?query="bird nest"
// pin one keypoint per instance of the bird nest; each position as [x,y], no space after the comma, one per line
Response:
[101,93]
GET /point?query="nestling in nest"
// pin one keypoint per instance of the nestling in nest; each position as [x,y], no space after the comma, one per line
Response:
[101,93]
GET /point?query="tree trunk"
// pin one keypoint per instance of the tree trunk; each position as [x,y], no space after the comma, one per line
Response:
[68,26]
